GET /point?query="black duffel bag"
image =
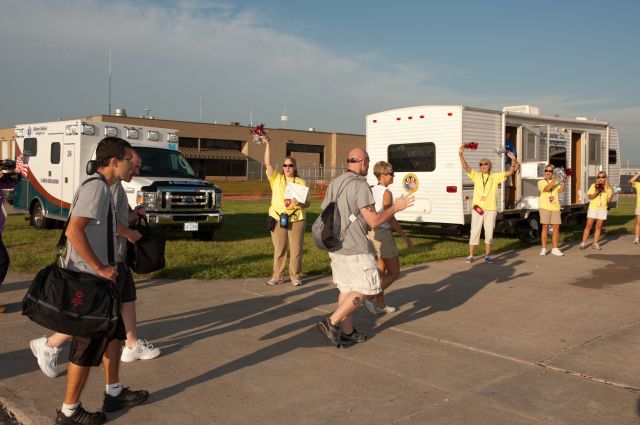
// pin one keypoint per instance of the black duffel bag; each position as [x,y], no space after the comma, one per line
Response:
[146,255]
[72,302]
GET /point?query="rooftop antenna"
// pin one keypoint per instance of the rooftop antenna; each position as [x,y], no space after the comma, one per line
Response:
[250,117]
[109,110]
[284,118]
[200,108]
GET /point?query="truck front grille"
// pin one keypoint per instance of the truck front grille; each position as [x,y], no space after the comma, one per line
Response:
[188,200]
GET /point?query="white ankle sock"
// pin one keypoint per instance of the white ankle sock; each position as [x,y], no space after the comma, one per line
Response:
[69,409]
[114,390]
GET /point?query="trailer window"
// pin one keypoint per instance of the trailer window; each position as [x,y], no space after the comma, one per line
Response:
[55,153]
[558,156]
[30,146]
[613,156]
[534,145]
[594,149]
[412,156]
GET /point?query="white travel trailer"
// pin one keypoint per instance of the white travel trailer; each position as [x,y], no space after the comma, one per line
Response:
[53,158]
[422,144]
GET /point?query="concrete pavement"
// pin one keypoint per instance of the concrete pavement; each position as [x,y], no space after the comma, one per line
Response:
[531,340]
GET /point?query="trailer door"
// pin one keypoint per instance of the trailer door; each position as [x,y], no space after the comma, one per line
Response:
[535,155]
[68,181]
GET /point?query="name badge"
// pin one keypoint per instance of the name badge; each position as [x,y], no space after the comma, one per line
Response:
[483,197]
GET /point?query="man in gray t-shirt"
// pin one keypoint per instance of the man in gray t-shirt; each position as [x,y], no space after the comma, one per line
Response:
[94,202]
[87,251]
[354,266]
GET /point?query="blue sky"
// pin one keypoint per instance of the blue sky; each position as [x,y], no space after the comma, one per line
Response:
[328,63]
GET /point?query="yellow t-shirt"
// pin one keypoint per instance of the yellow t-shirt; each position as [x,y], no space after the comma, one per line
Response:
[278,183]
[548,200]
[485,188]
[636,186]
[600,201]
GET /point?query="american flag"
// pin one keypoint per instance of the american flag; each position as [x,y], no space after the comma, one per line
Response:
[22,166]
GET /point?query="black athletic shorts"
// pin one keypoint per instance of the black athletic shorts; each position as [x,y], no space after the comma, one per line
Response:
[89,351]
[126,285]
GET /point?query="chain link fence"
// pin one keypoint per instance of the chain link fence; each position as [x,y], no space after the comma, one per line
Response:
[315,176]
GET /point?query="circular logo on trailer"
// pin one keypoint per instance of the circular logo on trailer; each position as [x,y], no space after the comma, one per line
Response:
[410,183]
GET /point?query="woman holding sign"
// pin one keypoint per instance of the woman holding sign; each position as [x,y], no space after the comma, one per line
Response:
[286,216]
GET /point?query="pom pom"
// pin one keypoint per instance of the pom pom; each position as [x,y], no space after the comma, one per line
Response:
[258,132]
[471,145]
[600,186]
[568,172]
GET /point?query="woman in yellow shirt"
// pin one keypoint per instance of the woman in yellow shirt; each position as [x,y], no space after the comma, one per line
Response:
[286,218]
[636,185]
[600,194]
[484,212]
[549,207]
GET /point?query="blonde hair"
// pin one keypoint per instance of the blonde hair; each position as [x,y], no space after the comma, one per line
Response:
[553,167]
[382,167]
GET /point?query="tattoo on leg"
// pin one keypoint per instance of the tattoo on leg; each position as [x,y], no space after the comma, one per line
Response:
[356,301]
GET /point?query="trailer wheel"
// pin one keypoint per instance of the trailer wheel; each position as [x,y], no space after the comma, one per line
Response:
[530,231]
[203,235]
[38,220]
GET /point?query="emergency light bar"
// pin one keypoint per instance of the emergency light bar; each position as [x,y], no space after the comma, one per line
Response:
[87,129]
[132,133]
[172,138]
[153,135]
[111,131]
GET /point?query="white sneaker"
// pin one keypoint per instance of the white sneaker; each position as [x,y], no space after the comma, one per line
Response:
[582,245]
[142,351]
[636,241]
[47,356]
[373,309]
[596,246]
[469,260]
[556,251]
[543,252]
[387,309]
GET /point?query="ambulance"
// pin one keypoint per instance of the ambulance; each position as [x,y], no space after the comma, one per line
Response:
[422,144]
[53,157]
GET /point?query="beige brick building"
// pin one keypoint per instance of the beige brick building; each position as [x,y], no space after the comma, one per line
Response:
[226,151]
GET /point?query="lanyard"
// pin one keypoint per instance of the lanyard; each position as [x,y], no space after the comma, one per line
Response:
[484,182]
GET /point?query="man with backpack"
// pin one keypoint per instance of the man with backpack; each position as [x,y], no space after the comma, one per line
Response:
[353,264]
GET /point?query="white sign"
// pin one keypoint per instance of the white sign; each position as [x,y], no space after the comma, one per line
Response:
[296,191]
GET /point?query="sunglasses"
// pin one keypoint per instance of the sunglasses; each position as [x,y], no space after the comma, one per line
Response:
[548,171]
[484,163]
[356,160]
[602,177]
[288,165]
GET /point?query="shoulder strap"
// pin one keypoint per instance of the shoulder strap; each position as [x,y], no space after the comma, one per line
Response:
[63,237]
[341,189]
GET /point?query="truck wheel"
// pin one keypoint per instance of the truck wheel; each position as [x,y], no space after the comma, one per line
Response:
[530,231]
[38,220]
[203,235]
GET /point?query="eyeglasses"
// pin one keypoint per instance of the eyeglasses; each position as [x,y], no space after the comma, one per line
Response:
[356,160]
[288,165]
[602,177]
[548,171]
[484,163]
